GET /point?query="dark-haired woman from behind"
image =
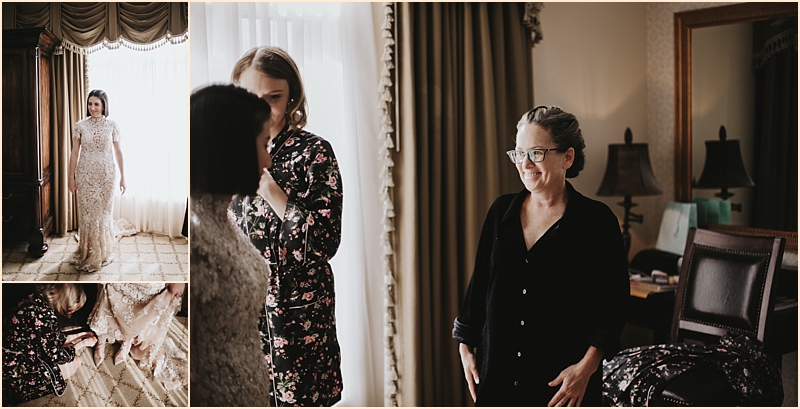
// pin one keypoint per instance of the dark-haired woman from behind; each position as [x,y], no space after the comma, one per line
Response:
[37,357]
[229,133]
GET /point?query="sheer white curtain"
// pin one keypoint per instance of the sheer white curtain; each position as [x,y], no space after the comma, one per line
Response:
[334,47]
[147,92]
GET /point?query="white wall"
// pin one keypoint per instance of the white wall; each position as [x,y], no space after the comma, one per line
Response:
[592,62]
[612,65]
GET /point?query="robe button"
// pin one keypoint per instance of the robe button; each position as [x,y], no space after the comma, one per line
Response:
[516,383]
[519,354]
[522,322]
[524,291]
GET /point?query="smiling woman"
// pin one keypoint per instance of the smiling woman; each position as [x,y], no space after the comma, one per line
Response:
[538,248]
[95,143]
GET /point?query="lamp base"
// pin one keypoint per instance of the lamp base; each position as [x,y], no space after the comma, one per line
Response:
[628,218]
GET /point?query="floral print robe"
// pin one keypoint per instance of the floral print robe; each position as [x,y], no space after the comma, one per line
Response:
[638,375]
[32,350]
[297,325]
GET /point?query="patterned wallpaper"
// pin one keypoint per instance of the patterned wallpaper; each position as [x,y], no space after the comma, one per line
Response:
[661,110]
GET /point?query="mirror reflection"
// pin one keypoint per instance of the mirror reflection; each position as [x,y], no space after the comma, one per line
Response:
[751,90]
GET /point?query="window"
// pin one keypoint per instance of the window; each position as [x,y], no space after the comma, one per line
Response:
[148,97]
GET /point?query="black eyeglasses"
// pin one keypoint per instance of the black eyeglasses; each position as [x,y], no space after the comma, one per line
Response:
[534,155]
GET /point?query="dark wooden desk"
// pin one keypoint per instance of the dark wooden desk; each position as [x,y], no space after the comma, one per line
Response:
[655,311]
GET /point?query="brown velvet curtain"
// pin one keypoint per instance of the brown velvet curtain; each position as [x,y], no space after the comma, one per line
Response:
[775,60]
[465,79]
[82,27]
[68,103]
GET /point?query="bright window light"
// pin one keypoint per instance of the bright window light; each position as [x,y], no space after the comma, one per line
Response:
[147,93]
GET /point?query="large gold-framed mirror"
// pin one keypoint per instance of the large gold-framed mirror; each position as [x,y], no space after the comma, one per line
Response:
[685,23]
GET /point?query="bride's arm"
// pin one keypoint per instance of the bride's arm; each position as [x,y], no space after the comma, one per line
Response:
[73,163]
[118,153]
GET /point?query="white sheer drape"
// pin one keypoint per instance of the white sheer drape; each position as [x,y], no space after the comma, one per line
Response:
[147,96]
[334,47]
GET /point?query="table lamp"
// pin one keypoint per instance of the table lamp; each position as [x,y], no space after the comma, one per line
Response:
[628,173]
[724,168]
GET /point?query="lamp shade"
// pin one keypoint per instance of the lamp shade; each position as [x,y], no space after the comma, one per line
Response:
[628,170]
[724,166]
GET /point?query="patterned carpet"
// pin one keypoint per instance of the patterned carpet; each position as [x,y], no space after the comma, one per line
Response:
[141,257]
[119,385]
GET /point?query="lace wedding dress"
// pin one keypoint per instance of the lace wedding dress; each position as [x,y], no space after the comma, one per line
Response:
[229,287]
[94,175]
[142,313]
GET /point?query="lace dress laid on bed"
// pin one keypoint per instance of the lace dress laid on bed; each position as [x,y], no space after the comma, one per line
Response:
[94,175]
[142,312]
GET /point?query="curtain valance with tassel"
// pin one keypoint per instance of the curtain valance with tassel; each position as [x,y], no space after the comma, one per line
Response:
[770,38]
[88,27]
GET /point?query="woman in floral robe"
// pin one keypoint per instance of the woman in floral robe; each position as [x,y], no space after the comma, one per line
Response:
[295,223]
[37,357]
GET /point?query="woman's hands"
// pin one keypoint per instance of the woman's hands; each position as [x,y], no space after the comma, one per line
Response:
[72,185]
[272,193]
[81,340]
[468,361]
[176,289]
[118,154]
[574,378]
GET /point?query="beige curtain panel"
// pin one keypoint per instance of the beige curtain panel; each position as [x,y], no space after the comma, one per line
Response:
[464,80]
[68,105]
[84,27]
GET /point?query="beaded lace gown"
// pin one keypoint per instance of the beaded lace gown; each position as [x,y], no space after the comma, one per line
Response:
[142,312]
[94,175]
[229,287]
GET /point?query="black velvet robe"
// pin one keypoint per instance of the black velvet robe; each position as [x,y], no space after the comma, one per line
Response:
[532,313]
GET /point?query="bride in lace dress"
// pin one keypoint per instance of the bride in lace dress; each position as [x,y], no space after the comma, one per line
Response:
[138,315]
[95,142]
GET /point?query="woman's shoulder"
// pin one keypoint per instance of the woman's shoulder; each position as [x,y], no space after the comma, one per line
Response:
[591,209]
[504,201]
[310,139]
[85,121]
[502,205]
[34,303]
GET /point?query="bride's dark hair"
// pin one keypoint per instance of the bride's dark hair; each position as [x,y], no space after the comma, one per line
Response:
[225,121]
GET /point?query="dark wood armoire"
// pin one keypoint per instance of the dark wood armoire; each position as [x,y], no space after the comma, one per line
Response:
[27,136]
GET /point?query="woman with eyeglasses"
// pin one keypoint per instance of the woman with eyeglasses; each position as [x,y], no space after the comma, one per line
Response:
[546,300]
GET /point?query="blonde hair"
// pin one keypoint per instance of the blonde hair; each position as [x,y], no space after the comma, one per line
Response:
[277,63]
[62,297]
